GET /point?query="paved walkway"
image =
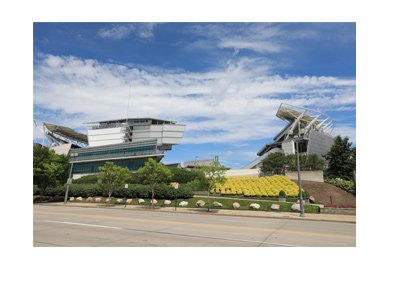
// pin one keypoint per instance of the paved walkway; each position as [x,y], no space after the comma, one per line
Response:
[283,215]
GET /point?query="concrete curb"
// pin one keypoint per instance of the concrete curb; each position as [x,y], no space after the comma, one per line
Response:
[230,213]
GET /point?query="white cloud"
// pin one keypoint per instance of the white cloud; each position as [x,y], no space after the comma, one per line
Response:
[257,37]
[37,133]
[258,46]
[346,130]
[236,103]
[121,31]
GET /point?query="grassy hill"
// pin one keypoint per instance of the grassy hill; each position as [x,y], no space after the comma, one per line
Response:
[328,194]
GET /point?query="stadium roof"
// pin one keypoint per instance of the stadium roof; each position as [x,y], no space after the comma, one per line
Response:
[66,132]
[290,113]
[122,120]
[268,147]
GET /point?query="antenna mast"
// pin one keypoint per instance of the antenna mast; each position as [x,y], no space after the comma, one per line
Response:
[127,109]
[128,129]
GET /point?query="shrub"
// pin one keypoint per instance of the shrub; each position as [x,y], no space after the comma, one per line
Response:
[135,191]
[134,179]
[86,190]
[282,194]
[305,195]
[77,190]
[183,176]
[185,191]
[346,185]
[161,191]
[36,190]
[198,185]
[89,179]
[54,191]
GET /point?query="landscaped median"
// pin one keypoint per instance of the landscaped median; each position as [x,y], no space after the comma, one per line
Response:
[227,203]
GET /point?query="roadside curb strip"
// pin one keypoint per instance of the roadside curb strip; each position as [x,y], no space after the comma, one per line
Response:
[189,211]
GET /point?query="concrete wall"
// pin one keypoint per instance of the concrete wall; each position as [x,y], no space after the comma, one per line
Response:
[288,147]
[342,211]
[319,143]
[62,149]
[165,133]
[315,176]
[78,176]
[106,136]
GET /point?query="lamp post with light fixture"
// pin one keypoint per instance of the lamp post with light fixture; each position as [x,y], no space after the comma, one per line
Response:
[298,172]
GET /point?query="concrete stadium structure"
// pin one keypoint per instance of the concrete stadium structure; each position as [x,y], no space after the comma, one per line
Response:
[128,142]
[312,128]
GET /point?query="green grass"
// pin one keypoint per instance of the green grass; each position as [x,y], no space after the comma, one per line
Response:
[226,202]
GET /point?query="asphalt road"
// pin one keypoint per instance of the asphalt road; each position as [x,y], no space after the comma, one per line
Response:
[76,226]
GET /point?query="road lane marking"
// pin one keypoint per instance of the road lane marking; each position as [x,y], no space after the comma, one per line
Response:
[294,232]
[75,223]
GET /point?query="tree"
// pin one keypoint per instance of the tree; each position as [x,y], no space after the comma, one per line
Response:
[49,169]
[341,159]
[153,173]
[215,174]
[311,162]
[274,163]
[183,176]
[113,177]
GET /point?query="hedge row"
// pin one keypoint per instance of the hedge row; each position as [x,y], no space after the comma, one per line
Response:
[133,191]
[180,176]
[346,185]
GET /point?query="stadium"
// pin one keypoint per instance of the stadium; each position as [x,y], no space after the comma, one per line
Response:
[128,142]
[311,128]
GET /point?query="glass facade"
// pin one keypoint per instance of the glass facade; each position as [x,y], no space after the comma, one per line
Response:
[115,153]
[92,167]
[88,160]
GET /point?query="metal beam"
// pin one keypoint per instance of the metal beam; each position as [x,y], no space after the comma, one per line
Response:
[322,123]
[308,127]
[297,121]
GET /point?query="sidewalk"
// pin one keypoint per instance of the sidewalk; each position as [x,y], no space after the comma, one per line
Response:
[245,213]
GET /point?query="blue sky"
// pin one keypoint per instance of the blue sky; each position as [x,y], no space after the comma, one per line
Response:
[225,81]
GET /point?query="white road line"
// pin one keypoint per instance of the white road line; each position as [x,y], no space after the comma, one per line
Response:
[81,224]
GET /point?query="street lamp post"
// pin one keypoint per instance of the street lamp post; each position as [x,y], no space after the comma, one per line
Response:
[69,181]
[176,192]
[126,193]
[298,174]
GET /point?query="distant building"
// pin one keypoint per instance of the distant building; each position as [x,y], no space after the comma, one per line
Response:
[200,163]
[313,127]
[173,165]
